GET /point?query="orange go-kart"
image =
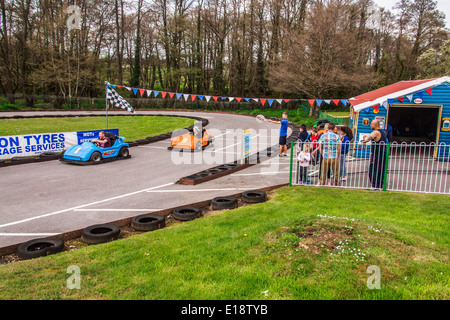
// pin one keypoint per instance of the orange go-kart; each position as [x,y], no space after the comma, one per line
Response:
[195,140]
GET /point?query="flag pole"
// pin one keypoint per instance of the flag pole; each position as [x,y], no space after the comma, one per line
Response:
[106,102]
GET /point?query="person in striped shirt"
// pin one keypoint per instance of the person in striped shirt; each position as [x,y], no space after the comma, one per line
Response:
[330,148]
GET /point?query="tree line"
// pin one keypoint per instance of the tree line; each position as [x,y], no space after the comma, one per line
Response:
[250,48]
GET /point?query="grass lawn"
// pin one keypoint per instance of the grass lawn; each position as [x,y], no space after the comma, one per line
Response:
[132,128]
[304,243]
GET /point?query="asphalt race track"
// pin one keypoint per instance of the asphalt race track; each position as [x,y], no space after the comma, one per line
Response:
[49,198]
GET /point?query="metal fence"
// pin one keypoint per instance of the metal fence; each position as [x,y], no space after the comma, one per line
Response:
[406,167]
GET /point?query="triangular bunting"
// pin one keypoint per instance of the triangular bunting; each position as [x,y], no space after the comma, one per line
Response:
[193,96]
[327,101]
[156,93]
[163,94]
[149,92]
[247,99]
[186,97]
[311,102]
[231,98]
[128,88]
[263,101]
[429,91]
[319,102]
[141,91]
[207,98]
[135,91]
[287,100]
[336,102]
[179,95]
[410,97]
[215,98]
[401,99]
[344,101]
[390,101]
[270,102]
[239,100]
[171,94]
[200,97]
[279,101]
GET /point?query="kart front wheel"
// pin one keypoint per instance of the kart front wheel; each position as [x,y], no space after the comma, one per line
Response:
[124,152]
[96,157]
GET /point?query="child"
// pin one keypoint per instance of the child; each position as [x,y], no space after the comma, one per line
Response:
[314,146]
[304,158]
[346,137]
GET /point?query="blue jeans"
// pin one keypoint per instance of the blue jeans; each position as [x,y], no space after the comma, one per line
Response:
[342,166]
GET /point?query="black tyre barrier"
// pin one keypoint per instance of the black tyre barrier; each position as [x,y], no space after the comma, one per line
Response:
[39,248]
[220,203]
[100,233]
[254,196]
[142,141]
[148,222]
[186,213]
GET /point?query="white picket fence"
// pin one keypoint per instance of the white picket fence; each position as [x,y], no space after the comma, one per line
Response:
[406,167]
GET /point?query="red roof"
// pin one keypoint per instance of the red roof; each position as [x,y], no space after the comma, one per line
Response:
[391,89]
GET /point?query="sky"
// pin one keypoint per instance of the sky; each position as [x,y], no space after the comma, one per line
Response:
[443,5]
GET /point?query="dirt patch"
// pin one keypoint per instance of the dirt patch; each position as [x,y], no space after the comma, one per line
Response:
[318,239]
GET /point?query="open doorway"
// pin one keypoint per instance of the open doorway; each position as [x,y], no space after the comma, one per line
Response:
[414,123]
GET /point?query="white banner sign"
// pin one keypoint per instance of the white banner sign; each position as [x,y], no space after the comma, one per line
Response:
[34,144]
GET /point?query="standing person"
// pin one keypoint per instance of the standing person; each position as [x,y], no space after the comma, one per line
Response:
[330,147]
[303,158]
[377,154]
[346,138]
[302,137]
[283,134]
[314,146]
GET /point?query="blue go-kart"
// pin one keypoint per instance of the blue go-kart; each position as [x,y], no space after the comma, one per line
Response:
[90,153]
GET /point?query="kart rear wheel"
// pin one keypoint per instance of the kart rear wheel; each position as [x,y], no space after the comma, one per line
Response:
[96,157]
[124,152]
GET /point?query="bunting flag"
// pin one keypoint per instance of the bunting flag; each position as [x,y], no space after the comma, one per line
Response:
[401,99]
[239,99]
[410,97]
[116,100]
[429,91]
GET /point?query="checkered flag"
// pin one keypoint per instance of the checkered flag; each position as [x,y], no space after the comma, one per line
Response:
[116,100]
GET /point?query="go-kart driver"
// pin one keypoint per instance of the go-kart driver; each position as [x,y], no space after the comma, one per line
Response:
[103,141]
